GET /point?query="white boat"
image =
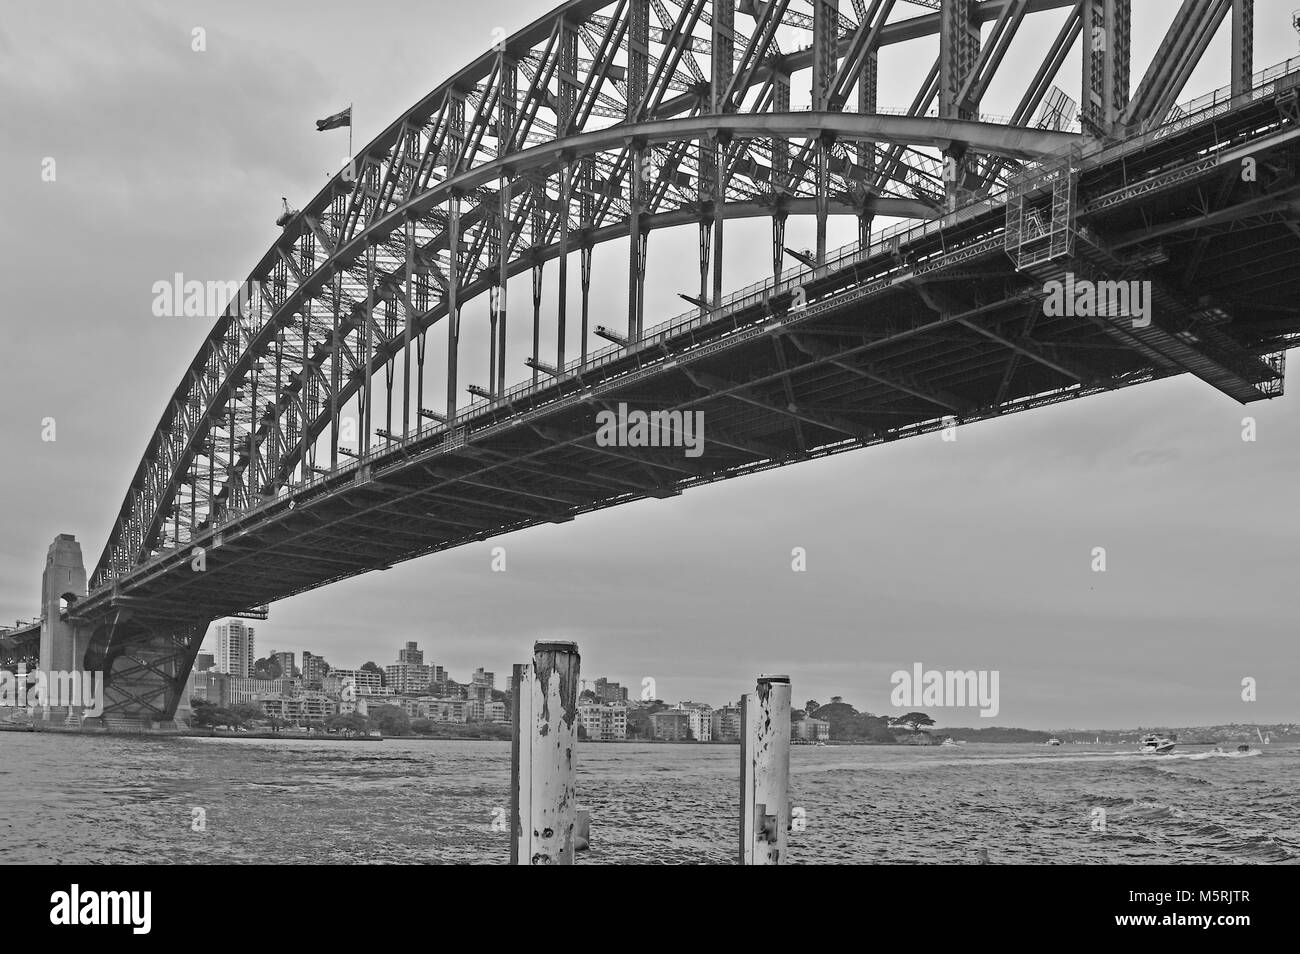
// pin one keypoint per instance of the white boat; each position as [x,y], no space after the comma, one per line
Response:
[1053,741]
[948,741]
[1156,744]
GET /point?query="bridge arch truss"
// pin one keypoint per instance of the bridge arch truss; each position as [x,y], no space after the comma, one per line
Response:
[606,121]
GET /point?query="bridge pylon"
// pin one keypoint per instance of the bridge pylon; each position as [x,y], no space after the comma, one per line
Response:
[145,662]
[63,642]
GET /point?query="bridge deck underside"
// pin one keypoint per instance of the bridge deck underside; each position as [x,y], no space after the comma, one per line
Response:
[943,330]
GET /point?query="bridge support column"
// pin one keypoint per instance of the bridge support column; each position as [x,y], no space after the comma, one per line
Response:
[1107,28]
[586,298]
[637,174]
[719,215]
[706,235]
[826,24]
[959,51]
[1243,45]
[765,772]
[453,303]
[562,301]
[503,265]
[543,797]
[537,321]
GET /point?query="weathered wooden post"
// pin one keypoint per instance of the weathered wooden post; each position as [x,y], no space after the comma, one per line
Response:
[765,771]
[542,790]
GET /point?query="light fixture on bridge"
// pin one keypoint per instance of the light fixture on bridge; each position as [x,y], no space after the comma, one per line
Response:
[697,302]
[542,366]
[805,257]
[433,415]
[478,391]
[610,335]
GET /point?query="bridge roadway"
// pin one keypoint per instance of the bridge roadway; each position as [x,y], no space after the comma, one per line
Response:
[940,324]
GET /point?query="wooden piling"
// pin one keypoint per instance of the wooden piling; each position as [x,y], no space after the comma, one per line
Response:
[765,772]
[543,791]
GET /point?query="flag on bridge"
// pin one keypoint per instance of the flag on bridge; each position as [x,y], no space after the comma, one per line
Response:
[343,118]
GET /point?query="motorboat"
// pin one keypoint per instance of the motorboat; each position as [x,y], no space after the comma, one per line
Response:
[1053,741]
[1156,744]
[948,741]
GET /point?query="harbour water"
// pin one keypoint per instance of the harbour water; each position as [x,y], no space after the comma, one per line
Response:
[79,799]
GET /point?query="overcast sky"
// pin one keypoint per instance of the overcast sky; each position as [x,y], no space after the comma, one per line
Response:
[974,554]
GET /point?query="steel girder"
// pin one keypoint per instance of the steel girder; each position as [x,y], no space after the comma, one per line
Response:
[536,148]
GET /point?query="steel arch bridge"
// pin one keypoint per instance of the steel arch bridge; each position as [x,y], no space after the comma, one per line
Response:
[607,121]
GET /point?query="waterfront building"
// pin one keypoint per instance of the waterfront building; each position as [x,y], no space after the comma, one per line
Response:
[701,719]
[725,724]
[300,710]
[224,690]
[809,729]
[498,712]
[603,722]
[671,725]
[246,690]
[447,710]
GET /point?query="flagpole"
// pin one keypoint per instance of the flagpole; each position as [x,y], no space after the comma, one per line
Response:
[349,132]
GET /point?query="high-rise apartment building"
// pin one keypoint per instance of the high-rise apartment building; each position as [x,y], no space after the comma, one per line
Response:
[313,670]
[235,648]
[610,692]
[409,674]
[287,664]
[409,677]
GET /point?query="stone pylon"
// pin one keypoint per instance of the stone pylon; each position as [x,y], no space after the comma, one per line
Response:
[63,643]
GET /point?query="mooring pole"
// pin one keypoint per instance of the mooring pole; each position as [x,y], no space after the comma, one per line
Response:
[542,791]
[765,771]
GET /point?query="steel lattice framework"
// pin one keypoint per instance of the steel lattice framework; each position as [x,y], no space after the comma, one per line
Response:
[609,120]
[599,121]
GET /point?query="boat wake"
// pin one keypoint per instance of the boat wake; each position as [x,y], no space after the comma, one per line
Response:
[1198,756]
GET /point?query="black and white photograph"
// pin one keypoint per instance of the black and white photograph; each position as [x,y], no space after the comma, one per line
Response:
[653,432]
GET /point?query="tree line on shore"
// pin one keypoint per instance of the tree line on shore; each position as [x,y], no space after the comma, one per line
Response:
[386,720]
